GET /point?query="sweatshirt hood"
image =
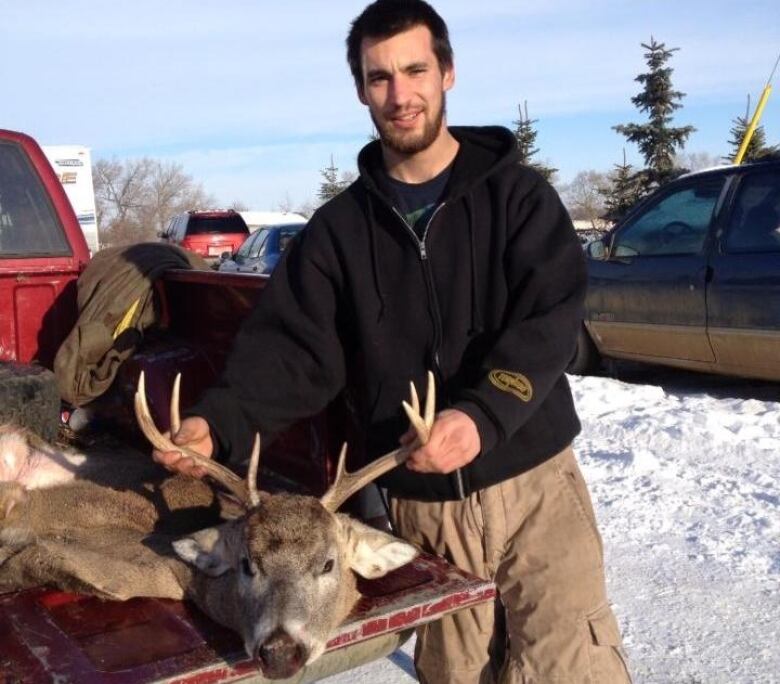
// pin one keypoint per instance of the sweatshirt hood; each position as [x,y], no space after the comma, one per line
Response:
[484,150]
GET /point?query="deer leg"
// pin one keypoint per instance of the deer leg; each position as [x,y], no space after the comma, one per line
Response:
[12,494]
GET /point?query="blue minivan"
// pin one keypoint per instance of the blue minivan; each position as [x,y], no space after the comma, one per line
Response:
[262,250]
[691,277]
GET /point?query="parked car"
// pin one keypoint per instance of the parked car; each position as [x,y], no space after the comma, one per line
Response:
[261,251]
[691,278]
[207,233]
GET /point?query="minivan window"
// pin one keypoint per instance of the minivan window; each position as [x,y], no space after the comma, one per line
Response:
[243,250]
[259,243]
[754,225]
[28,223]
[208,225]
[286,236]
[675,224]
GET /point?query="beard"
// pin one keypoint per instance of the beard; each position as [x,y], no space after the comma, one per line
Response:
[410,142]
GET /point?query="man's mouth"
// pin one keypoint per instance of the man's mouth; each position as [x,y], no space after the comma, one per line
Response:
[407,120]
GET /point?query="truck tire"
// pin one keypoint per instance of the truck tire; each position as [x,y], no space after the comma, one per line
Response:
[586,358]
[29,398]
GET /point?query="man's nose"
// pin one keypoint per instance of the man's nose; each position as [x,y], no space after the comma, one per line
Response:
[400,91]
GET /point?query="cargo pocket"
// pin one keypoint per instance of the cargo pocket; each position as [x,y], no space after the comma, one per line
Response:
[608,663]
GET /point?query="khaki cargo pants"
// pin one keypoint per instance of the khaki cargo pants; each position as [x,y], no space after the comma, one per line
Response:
[535,536]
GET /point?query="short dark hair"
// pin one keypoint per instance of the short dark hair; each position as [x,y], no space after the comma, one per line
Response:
[386,18]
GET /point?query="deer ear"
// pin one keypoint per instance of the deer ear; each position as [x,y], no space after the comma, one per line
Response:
[209,550]
[371,553]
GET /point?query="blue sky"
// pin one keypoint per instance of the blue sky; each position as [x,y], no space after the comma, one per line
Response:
[253,97]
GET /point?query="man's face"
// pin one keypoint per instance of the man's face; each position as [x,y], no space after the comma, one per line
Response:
[403,88]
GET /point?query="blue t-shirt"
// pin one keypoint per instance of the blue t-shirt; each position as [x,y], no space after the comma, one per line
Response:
[416,201]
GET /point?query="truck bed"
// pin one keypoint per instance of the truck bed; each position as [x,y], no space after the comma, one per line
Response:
[50,636]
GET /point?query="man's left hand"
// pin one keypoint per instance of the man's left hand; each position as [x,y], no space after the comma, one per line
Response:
[454,442]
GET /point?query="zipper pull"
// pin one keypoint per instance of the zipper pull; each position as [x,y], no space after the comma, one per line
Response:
[423,251]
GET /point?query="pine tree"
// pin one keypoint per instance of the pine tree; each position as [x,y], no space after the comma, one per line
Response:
[657,140]
[330,186]
[624,191]
[525,134]
[757,147]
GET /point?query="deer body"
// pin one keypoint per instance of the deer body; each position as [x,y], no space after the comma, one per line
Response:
[280,572]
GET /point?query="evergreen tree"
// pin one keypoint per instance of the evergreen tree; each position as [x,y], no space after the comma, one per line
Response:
[757,147]
[330,186]
[657,140]
[624,191]
[525,134]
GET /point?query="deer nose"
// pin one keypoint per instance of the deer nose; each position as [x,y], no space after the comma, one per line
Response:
[280,656]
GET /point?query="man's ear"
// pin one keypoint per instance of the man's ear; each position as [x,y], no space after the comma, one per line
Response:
[212,551]
[371,553]
[361,93]
[448,78]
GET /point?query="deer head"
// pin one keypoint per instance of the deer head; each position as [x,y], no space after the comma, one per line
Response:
[283,574]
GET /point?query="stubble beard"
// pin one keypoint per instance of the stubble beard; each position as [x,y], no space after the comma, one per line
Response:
[406,144]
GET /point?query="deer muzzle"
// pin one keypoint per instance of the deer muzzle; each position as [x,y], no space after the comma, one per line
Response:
[280,656]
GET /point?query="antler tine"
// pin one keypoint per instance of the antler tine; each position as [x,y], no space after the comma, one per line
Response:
[251,475]
[422,425]
[346,484]
[415,399]
[175,414]
[430,404]
[228,479]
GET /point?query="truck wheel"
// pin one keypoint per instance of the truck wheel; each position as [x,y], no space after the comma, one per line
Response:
[586,358]
[29,398]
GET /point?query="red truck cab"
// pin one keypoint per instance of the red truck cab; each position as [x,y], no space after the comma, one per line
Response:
[42,253]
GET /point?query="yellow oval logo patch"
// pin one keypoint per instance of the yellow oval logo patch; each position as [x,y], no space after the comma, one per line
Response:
[514,383]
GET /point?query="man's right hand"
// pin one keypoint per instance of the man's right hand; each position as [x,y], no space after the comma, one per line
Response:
[194,434]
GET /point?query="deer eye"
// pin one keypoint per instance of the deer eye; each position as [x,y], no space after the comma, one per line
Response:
[328,567]
[246,567]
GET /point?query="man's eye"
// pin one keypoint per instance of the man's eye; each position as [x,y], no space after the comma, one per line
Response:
[328,567]
[246,567]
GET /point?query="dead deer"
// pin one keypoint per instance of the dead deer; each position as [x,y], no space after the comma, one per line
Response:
[281,574]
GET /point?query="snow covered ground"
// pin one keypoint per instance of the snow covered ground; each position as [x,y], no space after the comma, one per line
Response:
[685,475]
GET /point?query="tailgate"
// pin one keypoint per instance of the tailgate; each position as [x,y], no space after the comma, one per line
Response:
[49,636]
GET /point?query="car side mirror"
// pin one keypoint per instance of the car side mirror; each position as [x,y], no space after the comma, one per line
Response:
[598,250]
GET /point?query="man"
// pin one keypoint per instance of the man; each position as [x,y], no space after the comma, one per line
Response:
[446,254]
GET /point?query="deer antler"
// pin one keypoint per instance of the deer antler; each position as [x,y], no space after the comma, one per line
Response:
[245,492]
[346,484]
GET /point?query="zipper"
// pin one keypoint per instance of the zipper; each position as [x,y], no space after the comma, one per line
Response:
[437,324]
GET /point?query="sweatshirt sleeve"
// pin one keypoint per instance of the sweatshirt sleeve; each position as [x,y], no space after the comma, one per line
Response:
[287,361]
[546,275]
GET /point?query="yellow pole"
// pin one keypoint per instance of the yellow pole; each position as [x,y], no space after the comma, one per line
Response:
[753,124]
[756,116]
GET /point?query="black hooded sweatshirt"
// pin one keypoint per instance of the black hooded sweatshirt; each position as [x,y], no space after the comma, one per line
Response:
[490,300]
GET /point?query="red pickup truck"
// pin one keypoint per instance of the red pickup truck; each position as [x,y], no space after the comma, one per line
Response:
[50,636]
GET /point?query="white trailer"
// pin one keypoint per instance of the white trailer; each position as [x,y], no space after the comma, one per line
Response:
[73,166]
[258,219]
